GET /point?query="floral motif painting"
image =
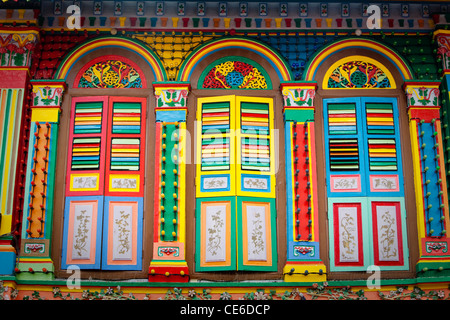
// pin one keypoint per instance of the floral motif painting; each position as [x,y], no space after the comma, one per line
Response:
[387,233]
[234,75]
[215,233]
[359,75]
[348,234]
[110,73]
[256,234]
[122,242]
[82,235]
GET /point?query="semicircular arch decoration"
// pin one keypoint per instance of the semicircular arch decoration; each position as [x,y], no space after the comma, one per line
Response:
[110,71]
[234,72]
[401,65]
[135,46]
[256,47]
[358,72]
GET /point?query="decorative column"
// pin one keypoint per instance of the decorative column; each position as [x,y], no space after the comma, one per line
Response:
[442,38]
[429,177]
[35,261]
[16,49]
[169,235]
[443,56]
[303,261]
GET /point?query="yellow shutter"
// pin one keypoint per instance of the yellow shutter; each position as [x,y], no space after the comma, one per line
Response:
[255,170]
[215,154]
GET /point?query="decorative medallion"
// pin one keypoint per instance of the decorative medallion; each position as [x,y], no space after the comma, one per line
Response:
[358,75]
[235,75]
[110,72]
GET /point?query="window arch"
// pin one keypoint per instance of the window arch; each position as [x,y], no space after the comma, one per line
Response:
[234,73]
[236,192]
[110,72]
[364,128]
[105,159]
[358,72]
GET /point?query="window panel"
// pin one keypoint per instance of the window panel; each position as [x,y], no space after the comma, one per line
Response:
[255,142]
[82,232]
[216,235]
[88,117]
[342,118]
[344,154]
[364,171]
[125,154]
[87,146]
[380,118]
[235,159]
[348,234]
[257,234]
[387,231]
[107,160]
[216,146]
[122,234]
[382,155]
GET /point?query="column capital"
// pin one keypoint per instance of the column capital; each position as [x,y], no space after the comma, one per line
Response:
[298,100]
[17,46]
[46,99]
[298,94]
[442,38]
[171,100]
[171,94]
[422,99]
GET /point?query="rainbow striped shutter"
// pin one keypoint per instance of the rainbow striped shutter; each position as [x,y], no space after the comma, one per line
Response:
[87,143]
[105,183]
[365,184]
[124,184]
[84,203]
[362,141]
[126,147]
[343,137]
[255,171]
[235,184]
[382,146]
[215,146]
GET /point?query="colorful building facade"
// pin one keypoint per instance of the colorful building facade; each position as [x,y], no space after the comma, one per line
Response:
[217,150]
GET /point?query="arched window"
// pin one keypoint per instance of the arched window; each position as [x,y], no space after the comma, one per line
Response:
[238,221]
[366,145]
[105,161]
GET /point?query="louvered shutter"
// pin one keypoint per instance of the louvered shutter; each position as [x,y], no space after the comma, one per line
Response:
[83,214]
[124,184]
[87,145]
[105,182]
[216,146]
[126,147]
[366,209]
[236,215]
[255,147]
[343,144]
